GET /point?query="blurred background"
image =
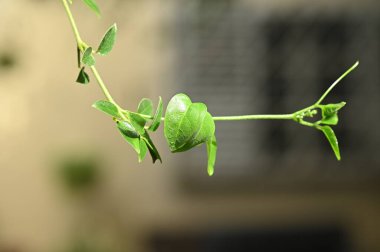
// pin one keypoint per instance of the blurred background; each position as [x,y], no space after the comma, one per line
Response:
[69,182]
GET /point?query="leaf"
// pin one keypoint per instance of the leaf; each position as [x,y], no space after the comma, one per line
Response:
[134,142]
[87,57]
[127,129]
[145,107]
[93,6]
[157,116]
[211,153]
[152,149]
[107,107]
[330,113]
[330,135]
[79,57]
[187,124]
[83,77]
[138,122]
[143,150]
[108,41]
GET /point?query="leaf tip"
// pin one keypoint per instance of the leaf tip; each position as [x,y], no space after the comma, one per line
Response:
[210,171]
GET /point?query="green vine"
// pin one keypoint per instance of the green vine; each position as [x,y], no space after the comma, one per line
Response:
[186,124]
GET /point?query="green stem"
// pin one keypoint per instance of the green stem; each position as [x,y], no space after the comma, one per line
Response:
[102,86]
[81,46]
[233,118]
[336,82]
[254,117]
[296,116]
[73,24]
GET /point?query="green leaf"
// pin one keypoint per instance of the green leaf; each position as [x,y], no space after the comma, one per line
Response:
[107,107]
[143,150]
[127,129]
[83,77]
[330,135]
[93,6]
[211,153]
[87,58]
[152,149]
[187,124]
[330,113]
[145,107]
[79,58]
[134,142]
[157,116]
[108,41]
[138,122]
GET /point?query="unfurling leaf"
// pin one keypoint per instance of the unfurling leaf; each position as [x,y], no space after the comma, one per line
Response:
[330,113]
[107,107]
[330,135]
[211,154]
[157,116]
[93,6]
[145,107]
[87,57]
[108,41]
[83,77]
[187,124]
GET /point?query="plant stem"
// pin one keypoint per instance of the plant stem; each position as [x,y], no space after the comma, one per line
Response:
[124,113]
[102,86]
[336,82]
[254,117]
[73,24]
[81,46]
[233,118]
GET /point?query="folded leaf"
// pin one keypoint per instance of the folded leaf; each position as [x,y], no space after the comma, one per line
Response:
[152,149]
[330,135]
[187,124]
[157,116]
[83,77]
[127,129]
[211,153]
[108,41]
[79,58]
[106,107]
[330,113]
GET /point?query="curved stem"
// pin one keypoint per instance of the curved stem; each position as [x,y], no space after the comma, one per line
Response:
[72,22]
[336,82]
[81,46]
